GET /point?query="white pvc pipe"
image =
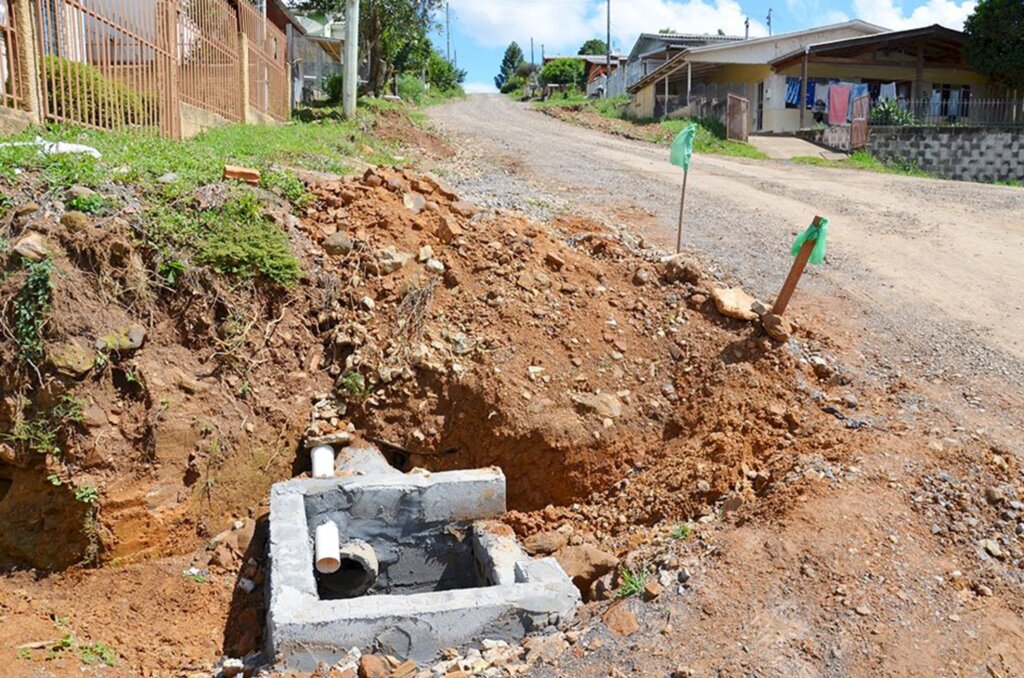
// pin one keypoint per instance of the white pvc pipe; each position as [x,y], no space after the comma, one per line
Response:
[322,457]
[328,556]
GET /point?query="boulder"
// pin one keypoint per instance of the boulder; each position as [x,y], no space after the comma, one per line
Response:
[733,302]
[449,231]
[32,246]
[463,208]
[681,268]
[71,358]
[585,564]
[122,339]
[75,221]
[388,260]
[414,202]
[619,620]
[80,191]
[372,666]
[545,542]
[440,186]
[338,245]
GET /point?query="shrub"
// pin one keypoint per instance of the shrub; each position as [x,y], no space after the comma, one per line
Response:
[334,87]
[890,113]
[82,93]
[516,82]
[563,72]
[410,88]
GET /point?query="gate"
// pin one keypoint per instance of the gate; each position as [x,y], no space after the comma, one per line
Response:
[737,116]
[859,123]
[10,63]
[208,51]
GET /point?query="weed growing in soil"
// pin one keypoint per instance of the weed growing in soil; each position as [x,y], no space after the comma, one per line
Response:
[682,532]
[89,654]
[41,434]
[90,204]
[354,384]
[64,170]
[289,185]
[633,583]
[32,309]
[87,494]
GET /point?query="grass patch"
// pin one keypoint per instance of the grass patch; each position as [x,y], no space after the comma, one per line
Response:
[682,532]
[89,204]
[863,160]
[633,583]
[41,433]
[710,133]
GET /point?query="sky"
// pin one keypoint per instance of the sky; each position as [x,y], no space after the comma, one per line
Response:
[482,29]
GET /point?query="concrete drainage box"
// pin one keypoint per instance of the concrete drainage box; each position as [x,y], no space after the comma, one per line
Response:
[445,576]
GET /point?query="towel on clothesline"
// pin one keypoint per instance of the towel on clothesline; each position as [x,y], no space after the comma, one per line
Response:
[856,92]
[887,91]
[838,104]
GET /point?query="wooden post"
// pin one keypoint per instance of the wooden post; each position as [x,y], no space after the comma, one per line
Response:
[243,70]
[682,204]
[803,88]
[799,264]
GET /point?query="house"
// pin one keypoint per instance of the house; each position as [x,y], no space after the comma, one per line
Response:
[776,73]
[652,50]
[315,51]
[594,65]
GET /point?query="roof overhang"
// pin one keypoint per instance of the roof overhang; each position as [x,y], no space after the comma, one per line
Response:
[933,44]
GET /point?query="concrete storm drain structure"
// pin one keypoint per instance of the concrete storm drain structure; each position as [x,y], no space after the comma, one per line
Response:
[402,564]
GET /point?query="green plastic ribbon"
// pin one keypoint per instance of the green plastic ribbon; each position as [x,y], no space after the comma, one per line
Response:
[682,147]
[819,234]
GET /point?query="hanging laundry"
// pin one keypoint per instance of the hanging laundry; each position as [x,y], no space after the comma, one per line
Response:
[821,94]
[936,107]
[856,92]
[887,92]
[954,103]
[792,91]
[811,87]
[838,104]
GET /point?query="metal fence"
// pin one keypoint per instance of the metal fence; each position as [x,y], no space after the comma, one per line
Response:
[951,110]
[10,62]
[208,50]
[268,64]
[108,63]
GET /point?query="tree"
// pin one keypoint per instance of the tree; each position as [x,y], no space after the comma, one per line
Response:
[667,31]
[509,63]
[442,74]
[563,72]
[593,47]
[995,41]
[388,29]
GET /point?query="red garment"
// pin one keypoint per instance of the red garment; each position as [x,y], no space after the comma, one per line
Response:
[838,104]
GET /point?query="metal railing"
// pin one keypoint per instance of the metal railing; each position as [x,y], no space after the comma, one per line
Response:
[10,59]
[951,111]
[268,63]
[208,52]
[108,63]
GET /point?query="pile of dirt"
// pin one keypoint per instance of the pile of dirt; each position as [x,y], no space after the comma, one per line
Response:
[585,116]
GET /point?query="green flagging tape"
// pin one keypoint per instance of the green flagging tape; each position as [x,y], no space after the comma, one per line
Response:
[819,234]
[682,148]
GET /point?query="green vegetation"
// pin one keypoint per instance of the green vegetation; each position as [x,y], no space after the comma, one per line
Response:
[890,113]
[32,309]
[97,653]
[994,46]
[90,204]
[81,91]
[334,87]
[41,433]
[288,184]
[354,384]
[682,532]
[234,239]
[633,583]
[566,72]
[89,654]
[593,47]
[863,160]
[506,80]
[710,133]
[87,494]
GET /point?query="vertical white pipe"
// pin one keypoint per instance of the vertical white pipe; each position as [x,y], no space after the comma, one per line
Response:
[327,547]
[322,458]
[350,81]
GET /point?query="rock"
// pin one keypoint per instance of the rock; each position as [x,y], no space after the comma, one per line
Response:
[991,547]
[554,261]
[406,669]
[601,404]
[440,186]
[338,244]
[372,666]
[605,586]
[463,208]
[388,260]
[223,557]
[80,191]
[619,620]
[777,327]
[680,268]
[26,209]
[426,252]
[994,496]
[698,300]
[32,246]
[435,266]
[76,221]
[372,179]
[168,178]
[544,648]
[449,231]
[585,564]
[652,590]
[414,202]
[124,339]
[545,542]
[863,610]
[398,185]
[642,277]
[72,358]
[232,667]
[733,302]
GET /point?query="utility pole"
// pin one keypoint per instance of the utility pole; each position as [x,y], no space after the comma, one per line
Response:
[448,30]
[608,46]
[769,21]
[532,62]
[746,26]
[350,81]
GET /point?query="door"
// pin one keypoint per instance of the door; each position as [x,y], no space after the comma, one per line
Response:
[759,123]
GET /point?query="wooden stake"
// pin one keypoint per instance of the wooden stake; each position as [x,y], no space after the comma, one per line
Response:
[799,264]
[682,203]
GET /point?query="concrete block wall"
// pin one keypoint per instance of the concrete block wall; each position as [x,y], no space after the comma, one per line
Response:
[963,153]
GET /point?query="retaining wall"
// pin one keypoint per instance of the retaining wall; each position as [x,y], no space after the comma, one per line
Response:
[837,138]
[964,153]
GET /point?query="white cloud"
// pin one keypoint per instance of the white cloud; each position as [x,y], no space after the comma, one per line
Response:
[887,13]
[563,25]
[479,87]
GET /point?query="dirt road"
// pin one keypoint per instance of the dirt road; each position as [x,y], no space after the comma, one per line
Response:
[934,264]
